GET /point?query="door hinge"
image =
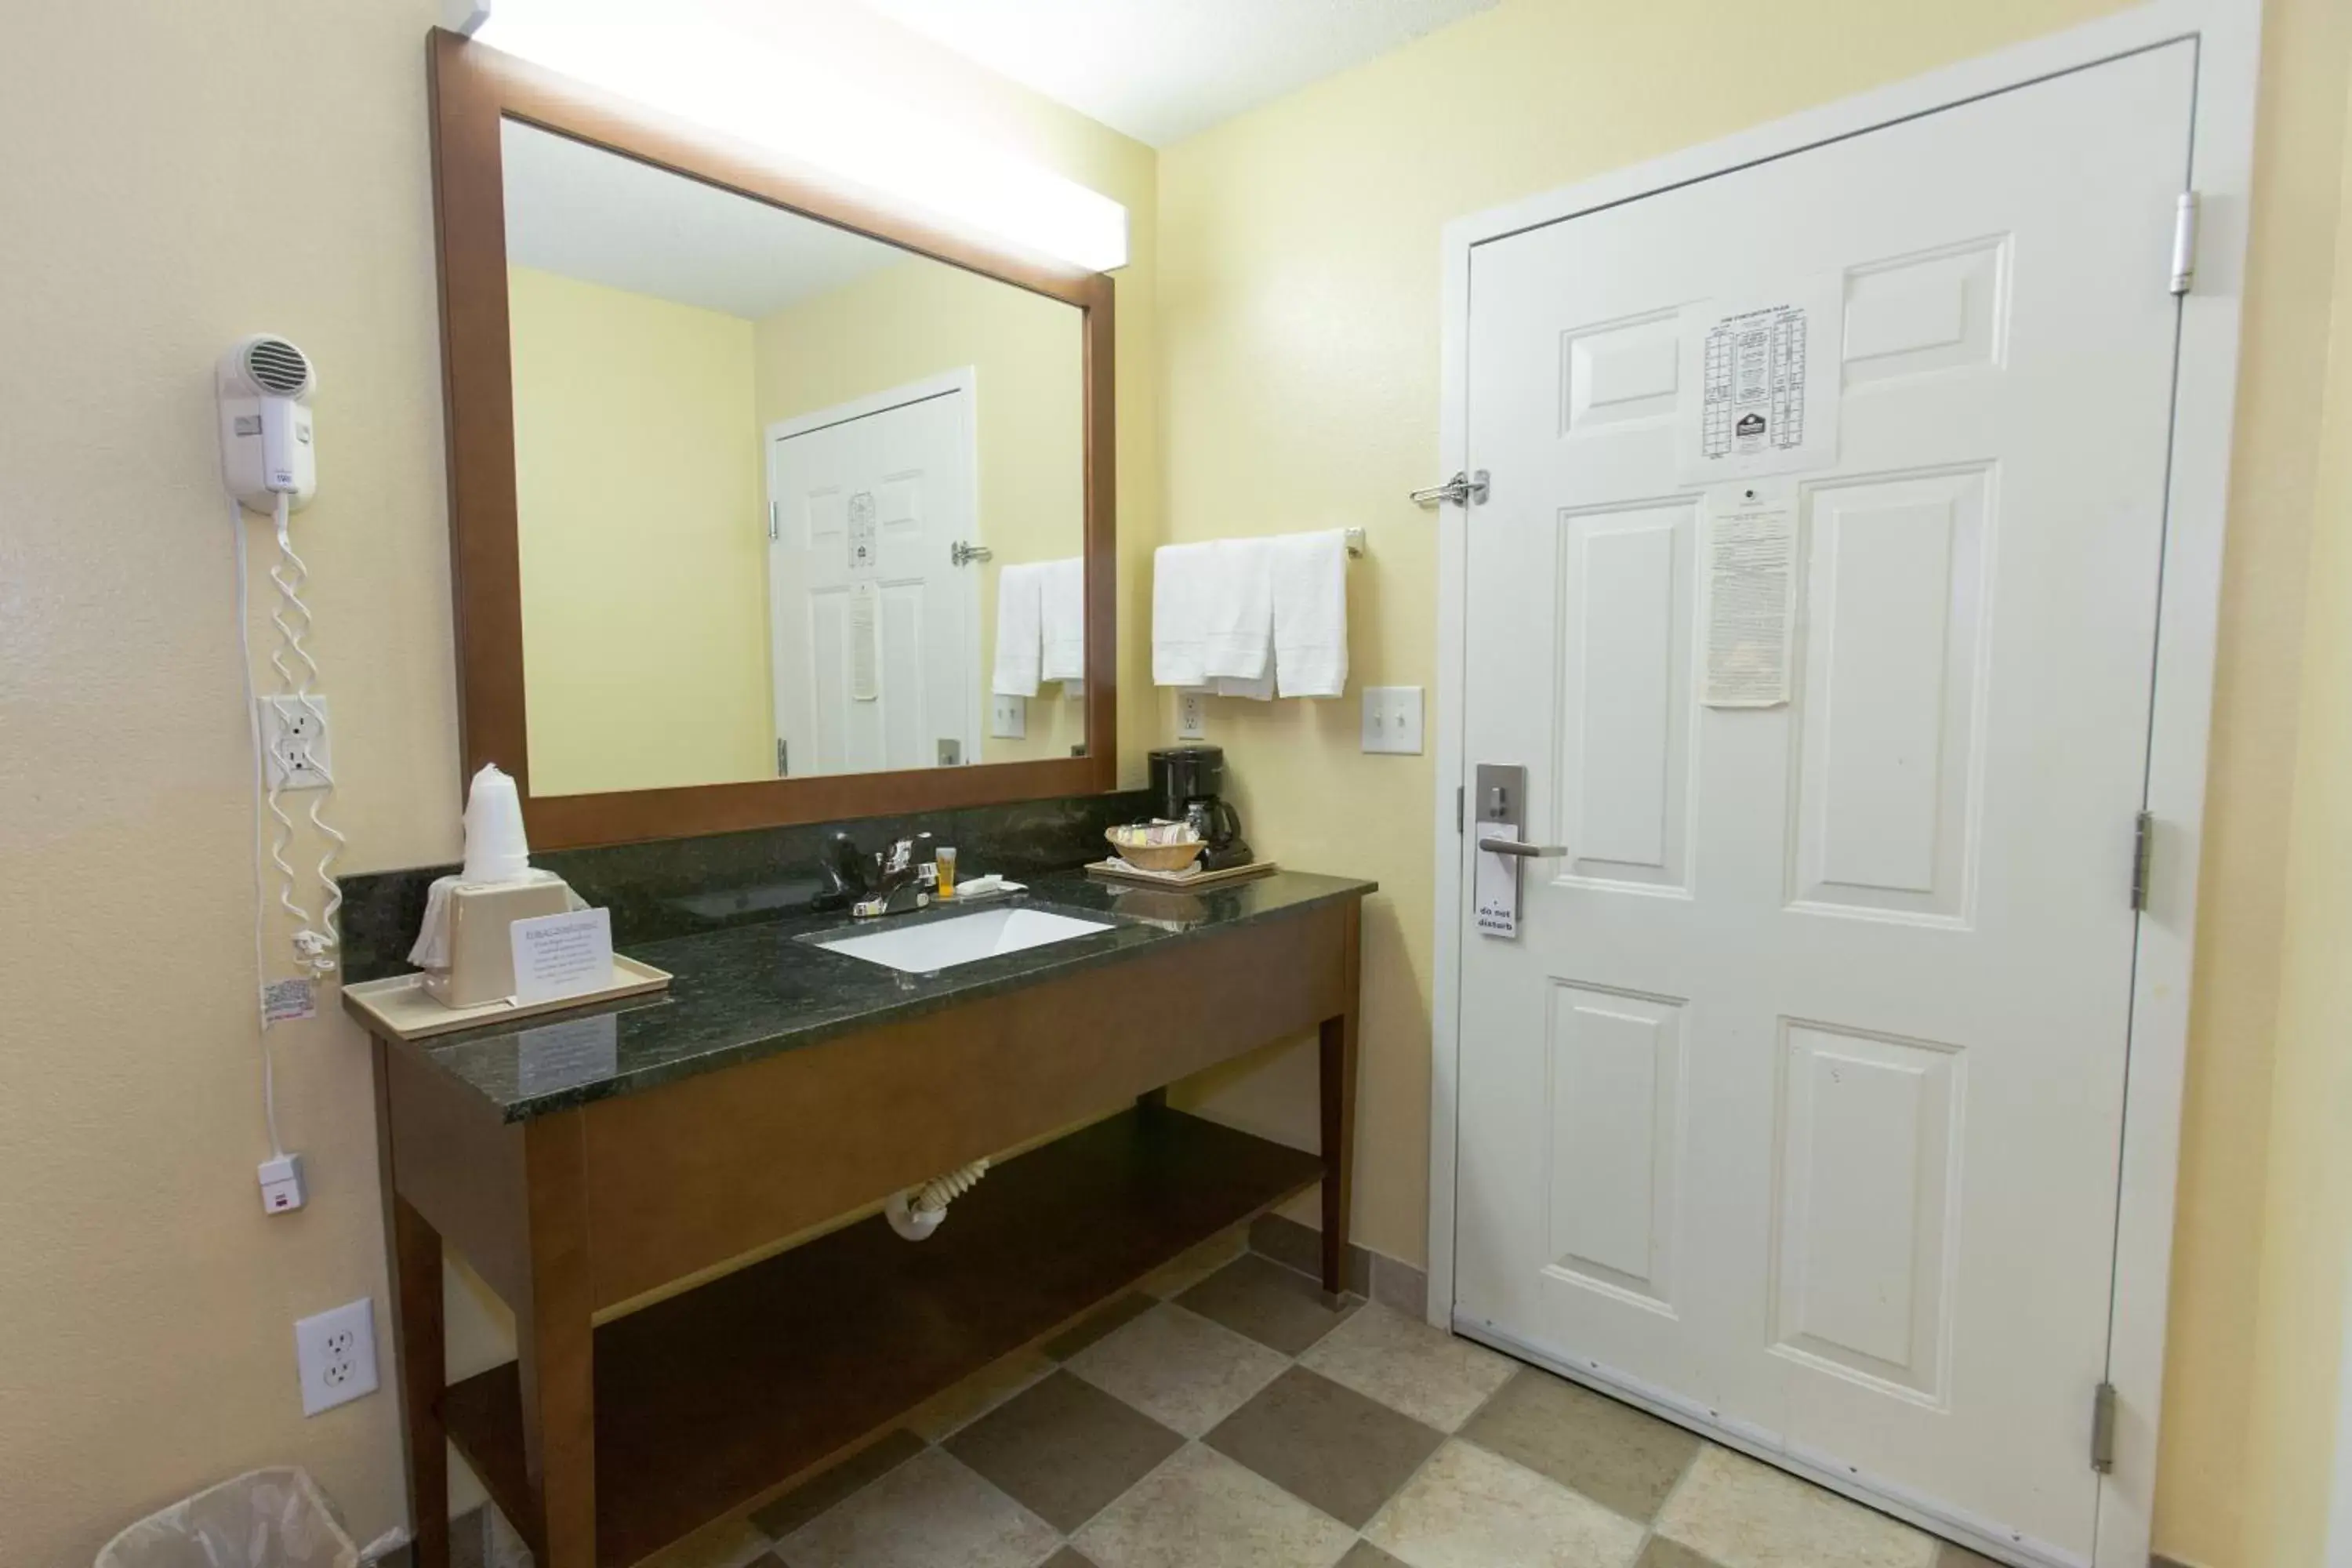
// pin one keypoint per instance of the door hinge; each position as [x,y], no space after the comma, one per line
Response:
[2103,1429]
[2143,852]
[774,532]
[2184,242]
[783,759]
[1462,490]
[1457,811]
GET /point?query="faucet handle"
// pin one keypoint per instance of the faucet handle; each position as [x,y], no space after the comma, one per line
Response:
[848,872]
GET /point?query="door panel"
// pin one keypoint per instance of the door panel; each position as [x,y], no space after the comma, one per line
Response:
[1799,1095]
[1862,1194]
[1625,623]
[1892,611]
[1616,1100]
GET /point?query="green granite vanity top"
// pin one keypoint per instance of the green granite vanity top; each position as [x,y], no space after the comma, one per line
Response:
[751,991]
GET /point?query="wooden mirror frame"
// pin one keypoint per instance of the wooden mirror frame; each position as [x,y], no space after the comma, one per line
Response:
[475,88]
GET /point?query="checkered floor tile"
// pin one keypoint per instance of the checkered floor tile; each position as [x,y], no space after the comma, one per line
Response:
[1223,1414]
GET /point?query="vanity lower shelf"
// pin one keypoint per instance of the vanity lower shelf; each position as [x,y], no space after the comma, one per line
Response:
[708,1399]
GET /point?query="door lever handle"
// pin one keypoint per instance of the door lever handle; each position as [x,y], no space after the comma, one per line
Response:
[1523,851]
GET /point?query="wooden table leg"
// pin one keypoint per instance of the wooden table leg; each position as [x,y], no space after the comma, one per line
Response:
[419,1357]
[1338,1081]
[555,1336]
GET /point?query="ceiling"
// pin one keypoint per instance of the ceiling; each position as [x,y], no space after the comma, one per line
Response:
[1160,70]
[585,212]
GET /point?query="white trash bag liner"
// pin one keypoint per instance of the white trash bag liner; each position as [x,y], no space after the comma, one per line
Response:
[263,1519]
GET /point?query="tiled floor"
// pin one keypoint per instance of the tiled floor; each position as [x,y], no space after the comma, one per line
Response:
[1222,1415]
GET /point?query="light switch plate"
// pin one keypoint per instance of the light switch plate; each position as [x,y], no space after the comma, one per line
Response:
[1191,715]
[1392,718]
[1008,718]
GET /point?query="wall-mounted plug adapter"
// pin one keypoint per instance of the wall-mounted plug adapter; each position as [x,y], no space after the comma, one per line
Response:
[281,1184]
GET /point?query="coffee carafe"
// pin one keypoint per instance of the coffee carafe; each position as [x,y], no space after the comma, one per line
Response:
[1188,785]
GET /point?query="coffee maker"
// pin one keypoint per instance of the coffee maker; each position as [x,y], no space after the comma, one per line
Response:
[1187,785]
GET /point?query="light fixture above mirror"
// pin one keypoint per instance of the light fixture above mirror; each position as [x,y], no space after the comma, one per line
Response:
[712,64]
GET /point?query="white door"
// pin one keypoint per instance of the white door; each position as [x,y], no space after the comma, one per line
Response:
[1796,1102]
[874,624]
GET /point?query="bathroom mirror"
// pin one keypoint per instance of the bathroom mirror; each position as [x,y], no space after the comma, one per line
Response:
[769,506]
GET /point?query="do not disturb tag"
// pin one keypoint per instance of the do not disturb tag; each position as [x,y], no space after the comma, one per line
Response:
[1496,890]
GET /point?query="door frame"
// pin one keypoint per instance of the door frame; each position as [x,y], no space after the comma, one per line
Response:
[2228,33]
[964,379]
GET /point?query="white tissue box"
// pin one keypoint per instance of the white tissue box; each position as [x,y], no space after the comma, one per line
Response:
[481,954]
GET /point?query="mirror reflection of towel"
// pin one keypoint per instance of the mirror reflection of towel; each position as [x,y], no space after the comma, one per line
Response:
[1020,604]
[1062,619]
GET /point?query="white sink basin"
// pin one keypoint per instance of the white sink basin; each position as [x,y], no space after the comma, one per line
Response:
[942,945]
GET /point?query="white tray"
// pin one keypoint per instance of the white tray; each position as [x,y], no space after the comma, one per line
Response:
[400,1004]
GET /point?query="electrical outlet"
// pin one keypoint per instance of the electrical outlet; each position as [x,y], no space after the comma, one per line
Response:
[294,742]
[1008,718]
[1191,715]
[336,1354]
[1392,718]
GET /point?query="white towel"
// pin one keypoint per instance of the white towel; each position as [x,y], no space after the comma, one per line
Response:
[1180,582]
[1062,619]
[1239,638]
[1310,613]
[1019,629]
[1258,690]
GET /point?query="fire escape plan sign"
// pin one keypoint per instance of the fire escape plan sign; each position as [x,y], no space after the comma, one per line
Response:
[1766,371]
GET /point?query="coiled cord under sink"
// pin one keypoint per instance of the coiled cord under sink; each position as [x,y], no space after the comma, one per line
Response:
[916,1212]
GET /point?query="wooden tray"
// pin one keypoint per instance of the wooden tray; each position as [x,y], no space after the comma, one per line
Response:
[1115,870]
[400,1004]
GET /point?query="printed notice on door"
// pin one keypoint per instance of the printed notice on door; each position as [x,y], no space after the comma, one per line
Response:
[863,556]
[1751,602]
[1766,372]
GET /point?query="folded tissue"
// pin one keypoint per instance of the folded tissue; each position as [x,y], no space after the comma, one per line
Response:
[463,946]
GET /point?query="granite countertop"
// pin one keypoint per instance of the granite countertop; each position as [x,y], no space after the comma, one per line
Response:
[751,991]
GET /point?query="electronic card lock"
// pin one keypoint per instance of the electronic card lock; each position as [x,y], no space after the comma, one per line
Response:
[1498,829]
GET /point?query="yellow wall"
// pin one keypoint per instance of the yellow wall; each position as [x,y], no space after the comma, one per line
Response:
[1299,281]
[644,539]
[921,318]
[147,1302]
[2307,1228]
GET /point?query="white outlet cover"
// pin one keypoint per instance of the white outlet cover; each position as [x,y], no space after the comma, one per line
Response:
[1191,715]
[336,1354]
[288,727]
[1008,718]
[1392,720]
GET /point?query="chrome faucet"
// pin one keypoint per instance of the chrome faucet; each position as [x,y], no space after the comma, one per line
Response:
[885,883]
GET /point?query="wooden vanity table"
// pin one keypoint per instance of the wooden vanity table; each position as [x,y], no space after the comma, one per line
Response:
[676,1195]
[666,1155]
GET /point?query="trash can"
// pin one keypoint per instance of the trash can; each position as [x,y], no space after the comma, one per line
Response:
[263,1519]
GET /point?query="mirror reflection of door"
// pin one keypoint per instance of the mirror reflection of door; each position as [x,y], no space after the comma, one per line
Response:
[874,613]
[718,403]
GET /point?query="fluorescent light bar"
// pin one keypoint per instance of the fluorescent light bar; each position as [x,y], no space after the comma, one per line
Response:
[682,61]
